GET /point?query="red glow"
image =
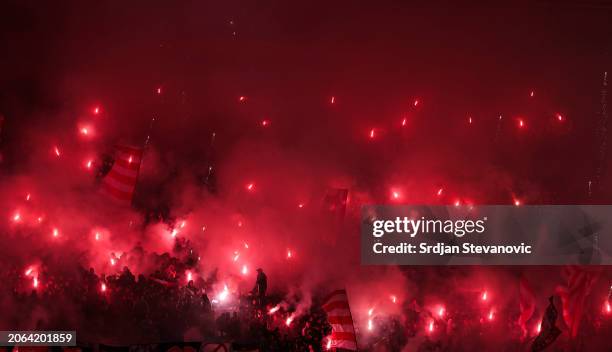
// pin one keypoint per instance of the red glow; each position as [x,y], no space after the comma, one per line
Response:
[35,282]
[332,100]
[560,117]
[490,316]
[395,195]
[440,191]
[484,296]
[372,134]
[607,308]
[17,217]
[244,270]
[301,205]
[56,151]
[242,99]
[393,298]
[55,232]
[250,186]
[289,321]
[470,120]
[441,312]
[96,110]
[430,328]
[159,90]
[88,163]
[274,309]
[521,123]
[517,202]
[404,121]
[265,123]
[531,94]
[28,197]
[289,254]
[103,287]
[416,102]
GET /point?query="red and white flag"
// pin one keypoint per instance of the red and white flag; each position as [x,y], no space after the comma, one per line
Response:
[574,294]
[120,182]
[339,317]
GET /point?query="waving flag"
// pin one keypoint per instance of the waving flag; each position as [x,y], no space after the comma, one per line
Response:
[120,182]
[573,295]
[339,317]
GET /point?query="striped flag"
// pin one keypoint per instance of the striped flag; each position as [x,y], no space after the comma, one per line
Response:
[574,294]
[339,317]
[120,182]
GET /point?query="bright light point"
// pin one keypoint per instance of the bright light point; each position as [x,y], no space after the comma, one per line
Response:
[439,193]
[189,276]
[112,261]
[265,123]
[35,282]
[416,102]
[97,236]
[370,311]
[469,120]
[236,256]
[242,99]
[370,325]
[56,151]
[28,272]
[96,110]
[28,196]
[103,287]
[490,316]
[223,294]
[608,308]
[274,309]
[289,321]
[246,245]
[404,121]
[244,270]
[159,90]
[17,217]
[89,164]
[517,203]
[431,326]
[521,123]
[329,344]
[174,233]
[289,254]
[183,223]
[484,296]
[250,186]
[55,232]
[372,134]
[84,131]
[539,328]
[457,203]
[301,205]
[393,298]
[441,312]
[395,195]
[560,117]
[333,100]
[130,159]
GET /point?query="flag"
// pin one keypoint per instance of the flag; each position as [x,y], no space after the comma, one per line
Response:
[339,317]
[120,181]
[573,295]
[526,303]
[548,330]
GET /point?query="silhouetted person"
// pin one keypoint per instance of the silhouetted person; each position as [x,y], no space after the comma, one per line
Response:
[261,286]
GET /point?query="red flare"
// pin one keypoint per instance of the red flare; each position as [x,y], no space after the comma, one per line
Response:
[56,151]
[430,328]
[289,320]
[470,120]
[159,90]
[439,193]
[484,296]
[250,186]
[103,287]
[28,197]
[372,133]
[55,232]
[242,99]
[490,316]
[441,312]
[416,102]
[531,94]
[301,205]
[265,123]
[96,110]
[521,123]
[17,217]
[332,100]
[517,202]
[35,282]
[560,117]
[607,308]
[244,270]
[404,121]
[274,309]
[289,254]
[88,163]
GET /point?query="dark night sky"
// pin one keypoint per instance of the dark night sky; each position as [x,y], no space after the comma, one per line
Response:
[290,58]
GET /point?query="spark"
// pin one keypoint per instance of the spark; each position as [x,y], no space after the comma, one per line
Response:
[370,311]
[40,219]
[441,312]
[130,160]
[457,203]
[89,163]
[608,308]
[35,282]
[274,309]
[289,320]
[416,102]
[470,120]
[439,193]
[246,245]
[84,131]
[17,217]
[183,223]
[265,123]
[517,202]
[484,296]
[236,256]
[250,186]
[159,90]
[329,344]
[431,326]
[531,94]
[29,271]
[174,232]
[539,328]
[103,287]
[189,276]
[57,151]
[244,270]
[333,100]
[490,316]
[112,261]
[301,205]
[242,99]
[560,118]
[404,121]
[203,228]
[395,195]
[372,134]
[370,325]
